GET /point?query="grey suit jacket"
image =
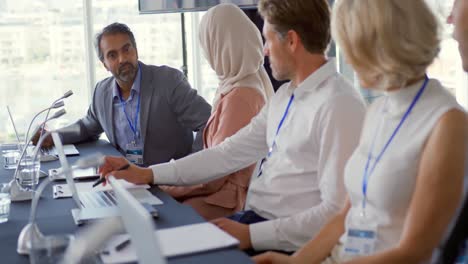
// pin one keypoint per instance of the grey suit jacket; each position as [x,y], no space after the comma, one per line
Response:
[170,111]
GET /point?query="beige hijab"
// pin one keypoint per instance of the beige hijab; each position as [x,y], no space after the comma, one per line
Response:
[233,46]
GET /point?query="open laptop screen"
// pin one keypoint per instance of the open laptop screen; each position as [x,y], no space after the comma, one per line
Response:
[139,225]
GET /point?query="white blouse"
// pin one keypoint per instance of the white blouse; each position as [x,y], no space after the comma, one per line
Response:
[392,184]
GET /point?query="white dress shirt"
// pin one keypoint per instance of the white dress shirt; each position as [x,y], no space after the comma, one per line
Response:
[301,186]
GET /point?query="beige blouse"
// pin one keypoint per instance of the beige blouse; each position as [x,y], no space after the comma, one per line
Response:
[233,112]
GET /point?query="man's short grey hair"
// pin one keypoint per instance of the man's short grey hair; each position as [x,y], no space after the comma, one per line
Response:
[114,28]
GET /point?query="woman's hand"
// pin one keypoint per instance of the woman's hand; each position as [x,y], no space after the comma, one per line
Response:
[134,174]
[273,258]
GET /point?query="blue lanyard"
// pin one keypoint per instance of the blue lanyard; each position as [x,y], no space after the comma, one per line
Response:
[281,124]
[367,173]
[270,150]
[133,127]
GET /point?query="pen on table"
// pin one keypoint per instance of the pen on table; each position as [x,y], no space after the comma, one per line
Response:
[119,246]
[122,244]
[102,179]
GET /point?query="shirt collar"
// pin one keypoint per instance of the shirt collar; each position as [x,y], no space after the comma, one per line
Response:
[313,81]
[399,100]
[135,86]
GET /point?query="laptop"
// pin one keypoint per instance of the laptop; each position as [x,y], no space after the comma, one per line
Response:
[51,154]
[13,123]
[46,154]
[139,225]
[97,204]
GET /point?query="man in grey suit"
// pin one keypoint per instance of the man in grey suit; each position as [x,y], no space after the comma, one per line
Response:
[149,113]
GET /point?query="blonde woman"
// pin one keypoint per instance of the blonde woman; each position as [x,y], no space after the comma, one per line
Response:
[404,180]
[232,44]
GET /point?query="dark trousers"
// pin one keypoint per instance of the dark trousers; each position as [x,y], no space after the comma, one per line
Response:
[455,246]
[247,217]
[250,217]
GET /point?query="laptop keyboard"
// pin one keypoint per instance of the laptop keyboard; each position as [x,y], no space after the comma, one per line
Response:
[98,199]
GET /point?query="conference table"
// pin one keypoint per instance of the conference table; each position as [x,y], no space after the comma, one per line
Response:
[54,216]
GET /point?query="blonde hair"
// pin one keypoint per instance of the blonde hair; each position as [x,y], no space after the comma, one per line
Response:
[391,41]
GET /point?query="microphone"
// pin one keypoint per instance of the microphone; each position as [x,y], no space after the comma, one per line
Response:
[30,234]
[57,114]
[56,104]
[91,237]
[67,94]
[26,140]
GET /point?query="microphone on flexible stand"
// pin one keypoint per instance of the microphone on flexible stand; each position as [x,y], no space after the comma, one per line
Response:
[17,191]
[55,105]
[58,101]
[31,231]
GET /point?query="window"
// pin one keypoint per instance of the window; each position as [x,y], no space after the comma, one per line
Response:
[158,36]
[36,65]
[200,74]
[447,67]
[43,53]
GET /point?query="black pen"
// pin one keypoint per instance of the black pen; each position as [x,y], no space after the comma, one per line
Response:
[103,179]
[122,244]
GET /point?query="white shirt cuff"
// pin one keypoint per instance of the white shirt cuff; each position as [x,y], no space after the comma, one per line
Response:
[263,236]
[164,173]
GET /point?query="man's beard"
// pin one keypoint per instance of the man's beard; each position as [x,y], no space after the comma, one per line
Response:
[129,73]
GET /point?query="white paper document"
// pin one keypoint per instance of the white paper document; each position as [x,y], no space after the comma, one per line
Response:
[140,192]
[88,187]
[175,241]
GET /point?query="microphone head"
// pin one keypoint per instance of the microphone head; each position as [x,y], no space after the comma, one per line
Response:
[67,94]
[58,104]
[58,114]
[93,160]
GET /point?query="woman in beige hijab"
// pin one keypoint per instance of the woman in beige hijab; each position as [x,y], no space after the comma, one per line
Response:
[232,44]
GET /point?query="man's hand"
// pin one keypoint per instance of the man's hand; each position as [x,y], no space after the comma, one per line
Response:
[273,258]
[134,174]
[235,229]
[46,143]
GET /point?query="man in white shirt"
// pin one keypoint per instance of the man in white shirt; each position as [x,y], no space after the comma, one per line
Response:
[306,133]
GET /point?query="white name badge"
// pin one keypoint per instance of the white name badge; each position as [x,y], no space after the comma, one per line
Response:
[361,236]
[134,154]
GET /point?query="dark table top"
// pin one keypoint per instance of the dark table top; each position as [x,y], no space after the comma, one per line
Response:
[54,216]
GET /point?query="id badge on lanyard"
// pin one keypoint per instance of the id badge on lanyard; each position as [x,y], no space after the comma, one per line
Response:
[361,225]
[134,149]
[361,235]
[134,153]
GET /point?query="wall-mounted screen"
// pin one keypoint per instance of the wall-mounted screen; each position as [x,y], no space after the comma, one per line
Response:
[173,6]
